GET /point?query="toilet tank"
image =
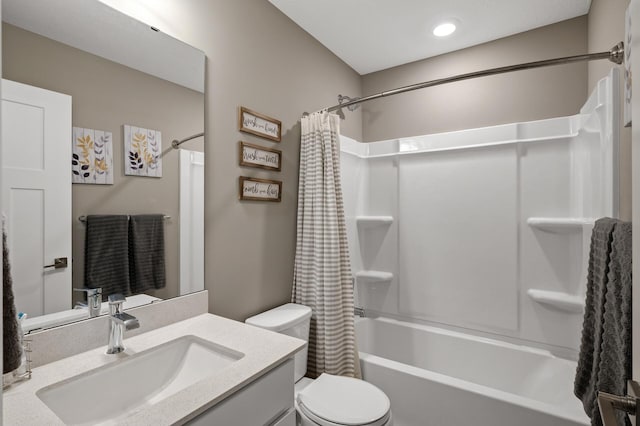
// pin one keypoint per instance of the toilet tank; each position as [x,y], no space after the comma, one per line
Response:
[290,319]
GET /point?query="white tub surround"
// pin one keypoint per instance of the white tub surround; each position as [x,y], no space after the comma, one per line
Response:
[444,377]
[558,300]
[485,231]
[373,221]
[262,351]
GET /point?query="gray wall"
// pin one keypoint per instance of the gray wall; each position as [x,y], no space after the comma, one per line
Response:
[107,95]
[257,58]
[606,28]
[519,96]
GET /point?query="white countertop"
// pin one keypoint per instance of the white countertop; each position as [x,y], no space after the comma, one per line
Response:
[263,351]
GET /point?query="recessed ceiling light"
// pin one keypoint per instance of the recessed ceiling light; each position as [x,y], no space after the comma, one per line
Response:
[444,29]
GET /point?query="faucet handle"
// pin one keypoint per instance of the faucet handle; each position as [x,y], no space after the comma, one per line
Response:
[116,299]
[90,291]
[116,303]
[94,300]
[128,321]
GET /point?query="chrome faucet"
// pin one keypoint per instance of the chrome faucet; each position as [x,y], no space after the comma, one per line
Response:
[118,323]
[94,300]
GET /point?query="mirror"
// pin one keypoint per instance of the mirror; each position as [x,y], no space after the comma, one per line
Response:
[118,72]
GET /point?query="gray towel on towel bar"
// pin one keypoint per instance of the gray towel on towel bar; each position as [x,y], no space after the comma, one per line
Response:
[12,349]
[146,246]
[106,254]
[615,358]
[604,362]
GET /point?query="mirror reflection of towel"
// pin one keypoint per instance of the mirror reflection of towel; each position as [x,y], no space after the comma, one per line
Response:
[146,248]
[106,254]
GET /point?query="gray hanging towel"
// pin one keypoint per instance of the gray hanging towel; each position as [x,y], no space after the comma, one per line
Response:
[12,349]
[605,351]
[146,245]
[615,359]
[106,254]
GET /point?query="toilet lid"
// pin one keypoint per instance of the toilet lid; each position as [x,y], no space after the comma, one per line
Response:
[345,401]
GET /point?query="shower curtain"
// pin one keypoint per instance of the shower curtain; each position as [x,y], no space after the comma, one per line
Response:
[322,271]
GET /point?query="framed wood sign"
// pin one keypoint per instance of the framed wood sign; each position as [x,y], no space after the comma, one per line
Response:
[259,156]
[259,124]
[254,189]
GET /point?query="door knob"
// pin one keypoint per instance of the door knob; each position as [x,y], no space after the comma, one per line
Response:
[630,404]
[58,262]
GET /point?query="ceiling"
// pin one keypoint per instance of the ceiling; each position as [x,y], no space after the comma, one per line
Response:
[83,25]
[372,35]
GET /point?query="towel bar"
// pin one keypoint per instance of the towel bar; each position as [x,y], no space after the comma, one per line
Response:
[630,404]
[83,218]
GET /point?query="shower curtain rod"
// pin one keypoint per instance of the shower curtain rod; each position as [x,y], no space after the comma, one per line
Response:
[176,143]
[615,55]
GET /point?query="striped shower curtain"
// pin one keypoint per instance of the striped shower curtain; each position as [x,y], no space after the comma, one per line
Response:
[322,271]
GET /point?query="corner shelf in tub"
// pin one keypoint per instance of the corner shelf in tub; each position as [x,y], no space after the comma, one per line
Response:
[373,221]
[555,299]
[560,225]
[374,276]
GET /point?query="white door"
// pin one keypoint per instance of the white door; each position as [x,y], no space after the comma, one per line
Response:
[191,221]
[36,195]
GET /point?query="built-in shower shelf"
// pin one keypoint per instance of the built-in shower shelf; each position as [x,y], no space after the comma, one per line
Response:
[559,224]
[374,276]
[373,221]
[558,300]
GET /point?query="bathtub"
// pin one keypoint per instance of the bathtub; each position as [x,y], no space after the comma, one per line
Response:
[437,377]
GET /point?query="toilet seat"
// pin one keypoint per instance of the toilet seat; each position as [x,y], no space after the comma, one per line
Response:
[338,401]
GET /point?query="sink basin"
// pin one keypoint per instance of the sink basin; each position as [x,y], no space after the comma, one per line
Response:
[107,394]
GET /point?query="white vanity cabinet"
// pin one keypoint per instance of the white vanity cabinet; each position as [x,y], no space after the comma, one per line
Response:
[267,401]
[253,385]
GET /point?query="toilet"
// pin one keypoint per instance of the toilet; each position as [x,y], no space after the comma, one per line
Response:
[328,400]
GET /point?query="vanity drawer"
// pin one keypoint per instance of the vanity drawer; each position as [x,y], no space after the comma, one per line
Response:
[261,402]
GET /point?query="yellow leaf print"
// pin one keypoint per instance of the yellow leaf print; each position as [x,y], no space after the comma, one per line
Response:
[86,145]
[101,165]
[141,145]
[148,157]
